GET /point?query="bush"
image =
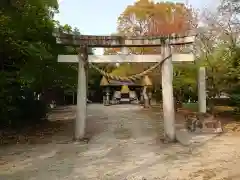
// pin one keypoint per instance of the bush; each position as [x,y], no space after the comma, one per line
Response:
[222,102]
[22,110]
[28,112]
[235,101]
[157,95]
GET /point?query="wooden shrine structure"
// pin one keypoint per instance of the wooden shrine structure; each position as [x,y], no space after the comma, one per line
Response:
[117,92]
[165,58]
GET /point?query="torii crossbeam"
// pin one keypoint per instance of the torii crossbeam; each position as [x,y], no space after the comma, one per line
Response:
[126,58]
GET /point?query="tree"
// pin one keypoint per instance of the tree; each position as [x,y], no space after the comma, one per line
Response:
[218,50]
[26,38]
[230,5]
[29,59]
[165,18]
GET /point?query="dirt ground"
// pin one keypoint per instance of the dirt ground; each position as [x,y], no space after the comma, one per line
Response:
[124,145]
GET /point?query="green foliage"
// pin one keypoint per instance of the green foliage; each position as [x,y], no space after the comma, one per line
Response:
[27,111]
[185,82]
[191,106]
[233,77]
[230,5]
[28,60]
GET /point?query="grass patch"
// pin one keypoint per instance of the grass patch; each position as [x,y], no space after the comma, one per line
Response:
[224,108]
[190,106]
[221,110]
[227,111]
[194,107]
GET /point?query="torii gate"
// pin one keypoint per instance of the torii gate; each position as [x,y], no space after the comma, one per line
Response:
[85,41]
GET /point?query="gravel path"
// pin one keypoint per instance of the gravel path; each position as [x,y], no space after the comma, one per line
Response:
[124,145]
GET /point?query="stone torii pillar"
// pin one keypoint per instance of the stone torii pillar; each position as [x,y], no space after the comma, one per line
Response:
[167,94]
[202,95]
[81,108]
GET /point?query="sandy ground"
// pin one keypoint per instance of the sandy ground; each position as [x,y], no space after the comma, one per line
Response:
[124,145]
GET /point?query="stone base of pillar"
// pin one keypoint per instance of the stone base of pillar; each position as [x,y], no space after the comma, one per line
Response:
[84,140]
[146,103]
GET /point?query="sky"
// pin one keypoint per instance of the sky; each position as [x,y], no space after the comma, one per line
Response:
[99,17]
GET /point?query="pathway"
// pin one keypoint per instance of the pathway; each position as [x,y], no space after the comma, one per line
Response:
[124,145]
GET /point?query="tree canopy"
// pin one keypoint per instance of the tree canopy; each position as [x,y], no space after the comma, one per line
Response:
[165,18]
[28,66]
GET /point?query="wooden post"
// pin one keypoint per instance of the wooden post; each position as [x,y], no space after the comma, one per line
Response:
[202,102]
[80,122]
[104,98]
[107,96]
[86,72]
[73,96]
[150,98]
[145,97]
[167,95]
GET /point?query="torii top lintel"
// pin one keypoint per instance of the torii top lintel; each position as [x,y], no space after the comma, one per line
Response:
[122,41]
